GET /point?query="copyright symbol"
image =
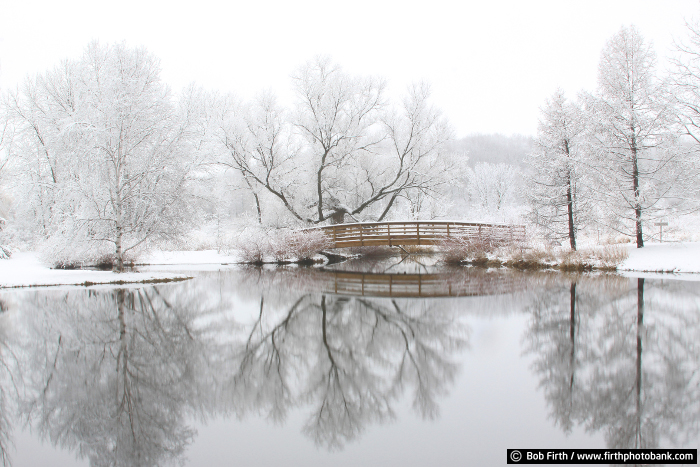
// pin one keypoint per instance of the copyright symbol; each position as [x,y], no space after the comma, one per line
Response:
[515,456]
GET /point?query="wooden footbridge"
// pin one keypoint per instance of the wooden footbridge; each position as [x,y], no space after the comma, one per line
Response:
[418,233]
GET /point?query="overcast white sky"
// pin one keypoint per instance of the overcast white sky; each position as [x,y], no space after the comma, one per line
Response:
[491,64]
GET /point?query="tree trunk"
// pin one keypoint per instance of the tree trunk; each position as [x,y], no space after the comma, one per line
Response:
[118,265]
[319,185]
[637,202]
[388,207]
[257,206]
[257,200]
[570,202]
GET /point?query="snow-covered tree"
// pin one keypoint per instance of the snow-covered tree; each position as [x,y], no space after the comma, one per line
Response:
[638,166]
[685,80]
[492,187]
[5,140]
[685,86]
[259,145]
[107,153]
[557,193]
[342,150]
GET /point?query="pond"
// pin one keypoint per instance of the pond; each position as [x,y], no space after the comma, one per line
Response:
[388,364]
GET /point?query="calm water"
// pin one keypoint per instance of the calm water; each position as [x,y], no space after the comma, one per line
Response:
[305,367]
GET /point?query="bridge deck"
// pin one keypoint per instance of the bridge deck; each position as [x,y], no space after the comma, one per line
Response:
[417,233]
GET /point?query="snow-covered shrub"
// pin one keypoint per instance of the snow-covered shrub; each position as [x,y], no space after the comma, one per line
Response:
[258,245]
[70,250]
[304,244]
[5,251]
[253,245]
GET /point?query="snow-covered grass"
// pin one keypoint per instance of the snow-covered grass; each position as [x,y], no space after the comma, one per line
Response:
[24,269]
[654,257]
[663,257]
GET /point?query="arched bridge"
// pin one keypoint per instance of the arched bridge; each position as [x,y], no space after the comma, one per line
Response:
[418,233]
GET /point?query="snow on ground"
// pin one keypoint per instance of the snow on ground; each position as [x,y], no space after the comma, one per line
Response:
[24,269]
[663,257]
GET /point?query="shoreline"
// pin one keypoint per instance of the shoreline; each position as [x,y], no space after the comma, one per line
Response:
[25,270]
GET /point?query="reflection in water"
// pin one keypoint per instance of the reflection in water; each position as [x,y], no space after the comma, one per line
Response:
[118,375]
[347,358]
[620,356]
[7,364]
[114,374]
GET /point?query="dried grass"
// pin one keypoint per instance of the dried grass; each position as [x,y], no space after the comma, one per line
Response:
[611,256]
[462,249]
[521,256]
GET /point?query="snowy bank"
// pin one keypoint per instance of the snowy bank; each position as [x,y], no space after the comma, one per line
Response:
[663,257]
[25,270]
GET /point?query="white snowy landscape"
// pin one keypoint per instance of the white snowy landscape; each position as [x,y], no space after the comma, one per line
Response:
[103,164]
[362,233]
[26,270]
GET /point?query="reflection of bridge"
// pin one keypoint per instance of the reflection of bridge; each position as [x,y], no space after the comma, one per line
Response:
[418,233]
[417,285]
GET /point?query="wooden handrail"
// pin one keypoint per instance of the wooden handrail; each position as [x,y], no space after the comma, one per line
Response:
[417,232]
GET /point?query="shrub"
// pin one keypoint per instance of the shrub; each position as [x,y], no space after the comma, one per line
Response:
[304,244]
[66,251]
[253,246]
[259,245]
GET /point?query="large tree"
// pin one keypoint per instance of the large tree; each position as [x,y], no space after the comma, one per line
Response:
[342,149]
[685,83]
[685,80]
[107,153]
[638,167]
[557,193]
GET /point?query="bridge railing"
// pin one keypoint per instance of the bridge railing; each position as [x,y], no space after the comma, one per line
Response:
[418,233]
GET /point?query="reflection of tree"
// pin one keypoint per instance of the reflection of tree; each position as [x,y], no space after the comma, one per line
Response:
[114,373]
[625,363]
[7,363]
[349,358]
